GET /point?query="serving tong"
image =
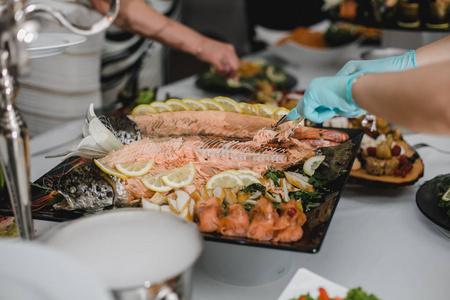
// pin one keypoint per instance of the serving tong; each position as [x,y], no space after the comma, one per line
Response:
[285,119]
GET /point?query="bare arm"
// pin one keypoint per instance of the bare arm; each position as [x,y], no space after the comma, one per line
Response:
[417,99]
[434,52]
[138,17]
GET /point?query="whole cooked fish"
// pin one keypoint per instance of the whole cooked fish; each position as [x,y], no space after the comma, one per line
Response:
[214,141]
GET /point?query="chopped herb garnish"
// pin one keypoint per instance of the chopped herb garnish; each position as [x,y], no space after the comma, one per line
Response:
[275,176]
[254,187]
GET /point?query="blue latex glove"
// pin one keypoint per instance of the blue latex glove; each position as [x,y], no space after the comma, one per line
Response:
[327,97]
[388,64]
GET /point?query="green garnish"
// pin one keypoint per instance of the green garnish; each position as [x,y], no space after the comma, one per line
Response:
[254,187]
[275,176]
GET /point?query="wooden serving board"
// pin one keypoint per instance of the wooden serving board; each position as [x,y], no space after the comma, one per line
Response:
[383,181]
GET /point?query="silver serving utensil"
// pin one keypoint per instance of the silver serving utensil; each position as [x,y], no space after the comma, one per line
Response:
[297,124]
[283,120]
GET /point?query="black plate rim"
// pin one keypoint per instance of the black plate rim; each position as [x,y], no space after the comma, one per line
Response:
[433,214]
[199,82]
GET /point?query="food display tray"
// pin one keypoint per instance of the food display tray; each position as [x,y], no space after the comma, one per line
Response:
[315,228]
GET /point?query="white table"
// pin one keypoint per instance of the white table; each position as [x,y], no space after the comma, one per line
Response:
[378,239]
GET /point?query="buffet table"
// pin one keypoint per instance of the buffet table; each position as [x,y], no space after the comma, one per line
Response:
[378,239]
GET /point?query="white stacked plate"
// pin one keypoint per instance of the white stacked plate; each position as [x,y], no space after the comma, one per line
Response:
[65,72]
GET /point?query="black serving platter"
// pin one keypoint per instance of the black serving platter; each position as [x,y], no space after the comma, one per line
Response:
[220,86]
[427,200]
[315,228]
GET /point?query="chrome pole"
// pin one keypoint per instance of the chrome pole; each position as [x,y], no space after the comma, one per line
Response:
[14,154]
[15,32]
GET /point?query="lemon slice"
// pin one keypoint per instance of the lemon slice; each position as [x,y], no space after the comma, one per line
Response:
[194,104]
[144,109]
[279,112]
[229,104]
[265,110]
[446,196]
[212,104]
[135,169]
[249,172]
[155,183]
[249,109]
[299,181]
[161,106]
[310,166]
[224,180]
[177,105]
[248,179]
[109,170]
[232,172]
[180,177]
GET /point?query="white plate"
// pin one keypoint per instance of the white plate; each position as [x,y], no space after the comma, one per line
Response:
[32,271]
[48,44]
[305,281]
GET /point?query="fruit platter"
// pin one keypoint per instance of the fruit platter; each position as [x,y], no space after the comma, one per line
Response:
[384,160]
[240,179]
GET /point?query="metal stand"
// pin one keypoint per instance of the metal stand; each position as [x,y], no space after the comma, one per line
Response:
[15,32]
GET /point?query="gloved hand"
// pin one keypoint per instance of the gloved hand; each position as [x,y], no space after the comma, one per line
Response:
[388,64]
[327,97]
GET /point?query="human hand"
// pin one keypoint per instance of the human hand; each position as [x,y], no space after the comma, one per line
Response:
[326,97]
[221,55]
[388,64]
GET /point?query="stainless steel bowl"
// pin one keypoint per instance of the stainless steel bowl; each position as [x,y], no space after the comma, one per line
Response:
[137,254]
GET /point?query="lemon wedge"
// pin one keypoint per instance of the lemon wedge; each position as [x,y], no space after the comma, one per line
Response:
[279,112]
[265,110]
[249,109]
[273,197]
[180,177]
[446,196]
[135,169]
[177,105]
[310,166]
[299,181]
[212,104]
[155,183]
[109,170]
[224,180]
[161,106]
[144,109]
[194,104]
[229,104]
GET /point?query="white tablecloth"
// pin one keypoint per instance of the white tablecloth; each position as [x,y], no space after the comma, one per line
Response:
[378,239]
